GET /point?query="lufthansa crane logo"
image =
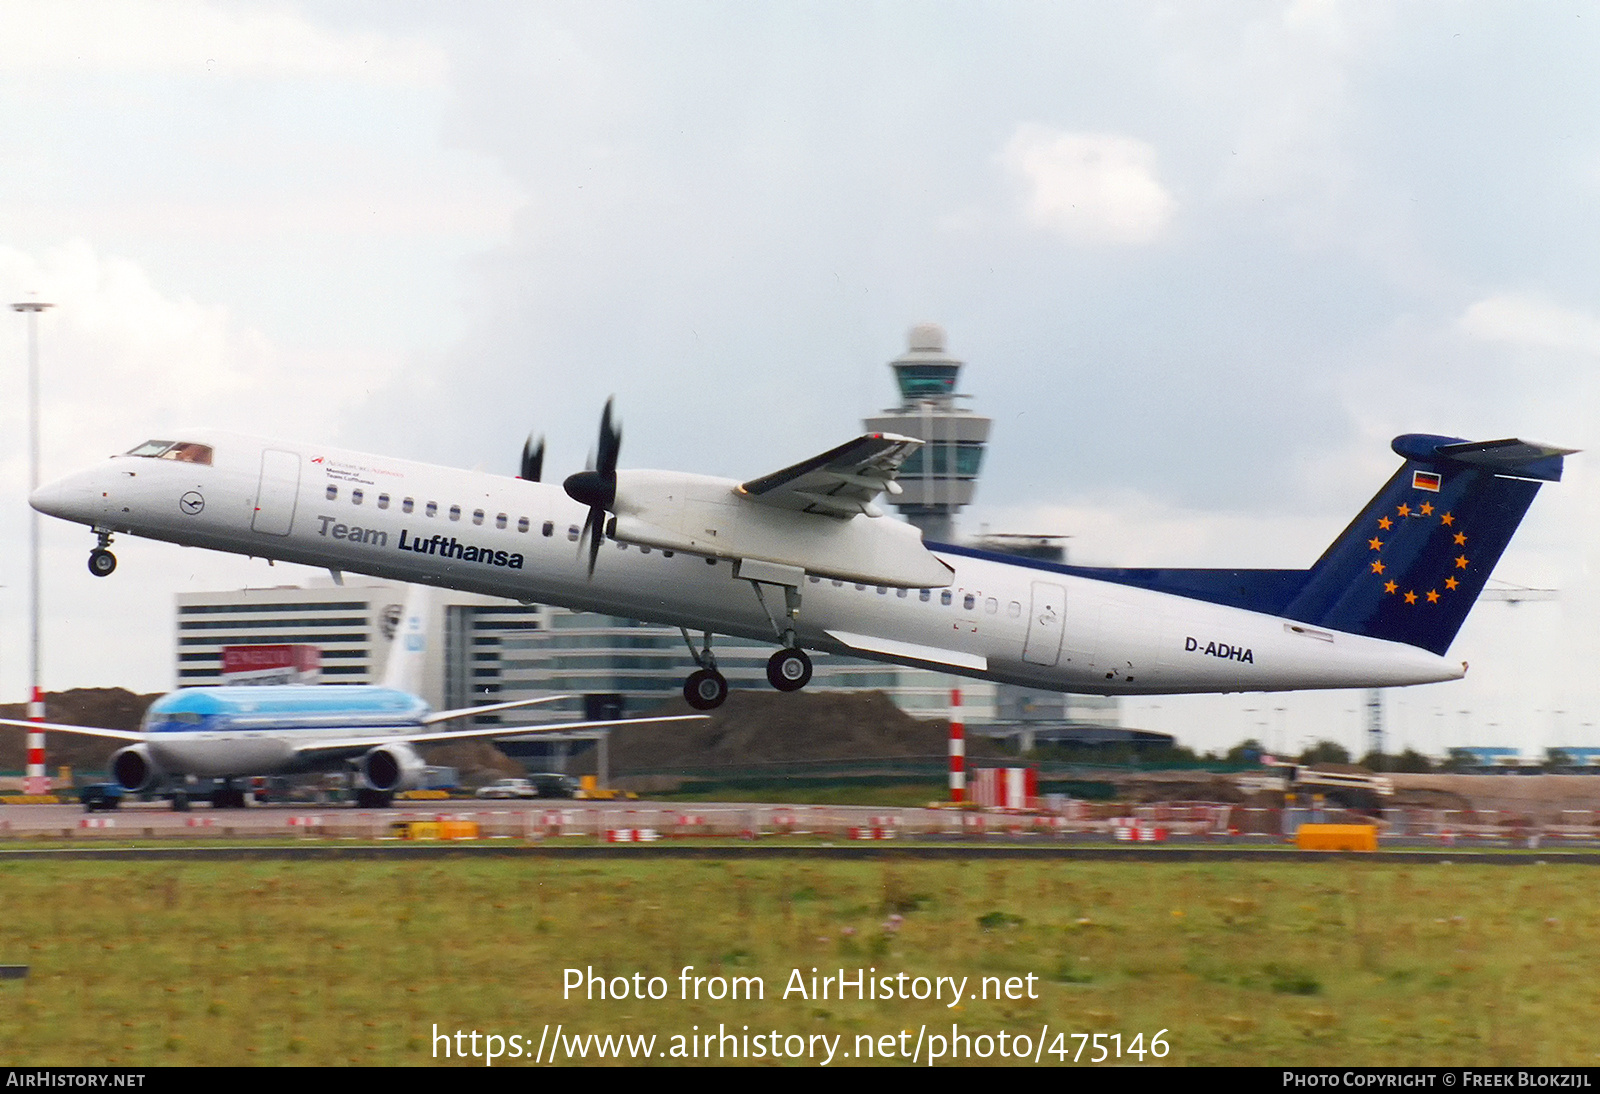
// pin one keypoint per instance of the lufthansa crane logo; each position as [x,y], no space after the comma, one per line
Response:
[192,503]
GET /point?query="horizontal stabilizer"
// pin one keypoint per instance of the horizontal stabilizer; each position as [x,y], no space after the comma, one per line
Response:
[1518,458]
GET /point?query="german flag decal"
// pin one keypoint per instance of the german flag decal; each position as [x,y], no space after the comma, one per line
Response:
[1425,480]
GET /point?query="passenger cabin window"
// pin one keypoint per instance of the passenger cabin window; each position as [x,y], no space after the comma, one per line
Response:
[407,505]
[573,531]
[925,595]
[333,492]
[356,496]
[455,512]
[944,598]
[1014,610]
[548,528]
[500,521]
[431,509]
[969,602]
[477,517]
[383,501]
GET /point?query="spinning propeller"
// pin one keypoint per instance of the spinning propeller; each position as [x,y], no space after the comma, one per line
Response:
[532,459]
[597,487]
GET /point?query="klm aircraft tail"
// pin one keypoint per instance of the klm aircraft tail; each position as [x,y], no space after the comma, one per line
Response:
[1410,566]
[409,647]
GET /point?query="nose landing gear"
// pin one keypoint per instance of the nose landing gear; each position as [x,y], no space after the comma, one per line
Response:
[102,561]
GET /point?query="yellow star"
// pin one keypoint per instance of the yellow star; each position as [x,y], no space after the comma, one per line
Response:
[1385,523]
[1427,510]
[1389,586]
[1411,597]
[1377,567]
[1433,596]
[1461,539]
[1375,544]
[1405,510]
[1461,562]
[1447,520]
[1451,583]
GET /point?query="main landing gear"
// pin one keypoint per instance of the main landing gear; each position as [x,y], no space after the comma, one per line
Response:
[102,561]
[706,688]
[787,670]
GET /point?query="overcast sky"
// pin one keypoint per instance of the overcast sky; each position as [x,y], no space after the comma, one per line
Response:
[1203,261]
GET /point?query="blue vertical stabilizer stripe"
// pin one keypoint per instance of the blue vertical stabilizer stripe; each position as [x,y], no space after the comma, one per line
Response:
[1409,568]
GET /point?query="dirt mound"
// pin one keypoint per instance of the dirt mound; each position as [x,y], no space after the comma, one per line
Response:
[756,727]
[112,708]
[1541,797]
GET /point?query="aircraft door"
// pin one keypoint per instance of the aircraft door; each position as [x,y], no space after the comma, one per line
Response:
[277,492]
[1049,611]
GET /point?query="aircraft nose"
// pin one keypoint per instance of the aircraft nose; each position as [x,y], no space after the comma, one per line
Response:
[72,498]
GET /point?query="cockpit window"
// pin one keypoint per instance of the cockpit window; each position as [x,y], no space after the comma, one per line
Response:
[182,451]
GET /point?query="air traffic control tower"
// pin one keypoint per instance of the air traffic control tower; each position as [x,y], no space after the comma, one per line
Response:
[940,477]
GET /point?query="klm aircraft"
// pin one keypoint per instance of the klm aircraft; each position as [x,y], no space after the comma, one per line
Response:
[231,733]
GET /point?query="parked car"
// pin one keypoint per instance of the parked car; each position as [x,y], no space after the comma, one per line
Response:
[508,788]
[534,786]
[100,796]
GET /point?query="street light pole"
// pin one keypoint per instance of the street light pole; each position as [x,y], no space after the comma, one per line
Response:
[37,780]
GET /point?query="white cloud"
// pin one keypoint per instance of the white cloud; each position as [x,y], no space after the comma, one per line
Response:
[1097,188]
[165,36]
[120,357]
[1530,321]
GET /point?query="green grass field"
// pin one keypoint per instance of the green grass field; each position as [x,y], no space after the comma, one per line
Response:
[354,962]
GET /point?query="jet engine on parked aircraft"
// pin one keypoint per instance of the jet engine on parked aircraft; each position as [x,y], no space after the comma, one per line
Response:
[391,767]
[135,769]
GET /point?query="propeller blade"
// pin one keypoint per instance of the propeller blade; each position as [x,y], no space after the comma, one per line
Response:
[610,444]
[597,487]
[532,459]
[596,519]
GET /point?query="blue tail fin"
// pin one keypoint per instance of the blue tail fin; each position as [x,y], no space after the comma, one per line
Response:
[1410,566]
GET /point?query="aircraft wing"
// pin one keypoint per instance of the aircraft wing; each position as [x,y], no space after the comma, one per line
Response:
[84,731]
[446,736]
[467,712]
[842,482]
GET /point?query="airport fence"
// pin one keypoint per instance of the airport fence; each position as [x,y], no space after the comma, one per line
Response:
[1051,818]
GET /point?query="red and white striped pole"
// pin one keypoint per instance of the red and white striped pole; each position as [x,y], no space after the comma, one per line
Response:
[37,781]
[958,750]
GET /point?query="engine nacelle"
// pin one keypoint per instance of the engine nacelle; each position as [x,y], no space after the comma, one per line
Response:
[391,767]
[135,769]
[709,516]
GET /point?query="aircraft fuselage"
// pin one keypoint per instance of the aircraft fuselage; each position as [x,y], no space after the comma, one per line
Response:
[476,532]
